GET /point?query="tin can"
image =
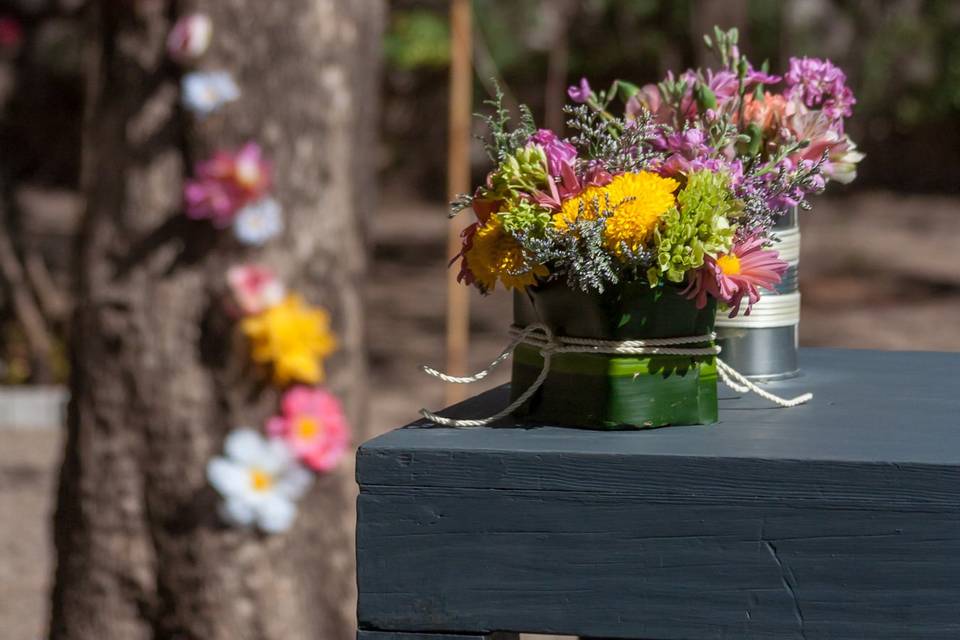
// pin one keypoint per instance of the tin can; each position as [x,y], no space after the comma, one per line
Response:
[764,344]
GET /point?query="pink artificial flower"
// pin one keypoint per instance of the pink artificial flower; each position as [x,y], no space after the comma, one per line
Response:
[741,273]
[226,183]
[255,288]
[189,37]
[313,425]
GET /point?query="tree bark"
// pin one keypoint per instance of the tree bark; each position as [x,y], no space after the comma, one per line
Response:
[158,374]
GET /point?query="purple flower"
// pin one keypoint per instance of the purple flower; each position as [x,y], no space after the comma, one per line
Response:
[759,77]
[559,152]
[820,83]
[580,93]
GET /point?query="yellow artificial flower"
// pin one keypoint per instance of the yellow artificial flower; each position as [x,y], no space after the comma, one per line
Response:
[636,200]
[495,254]
[294,338]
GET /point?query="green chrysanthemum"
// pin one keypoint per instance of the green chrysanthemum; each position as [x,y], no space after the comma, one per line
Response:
[698,225]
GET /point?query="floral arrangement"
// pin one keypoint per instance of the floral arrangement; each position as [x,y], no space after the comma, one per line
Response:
[680,188]
[260,477]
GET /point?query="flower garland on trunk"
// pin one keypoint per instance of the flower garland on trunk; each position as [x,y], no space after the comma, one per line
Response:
[260,476]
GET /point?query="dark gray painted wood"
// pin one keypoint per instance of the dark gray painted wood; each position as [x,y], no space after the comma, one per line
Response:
[399,635]
[836,520]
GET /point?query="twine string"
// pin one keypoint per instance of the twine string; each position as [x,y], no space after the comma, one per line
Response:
[542,337]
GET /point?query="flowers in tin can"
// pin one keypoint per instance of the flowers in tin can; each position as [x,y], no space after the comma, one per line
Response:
[313,425]
[736,275]
[260,481]
[189,37]
[255,288]
[291,337]
[225,183]
[258,222]
[203,92]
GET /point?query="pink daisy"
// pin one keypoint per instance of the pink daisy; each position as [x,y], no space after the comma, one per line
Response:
[313,425]
[742,272]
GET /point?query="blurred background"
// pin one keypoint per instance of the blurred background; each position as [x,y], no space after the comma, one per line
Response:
[880,267]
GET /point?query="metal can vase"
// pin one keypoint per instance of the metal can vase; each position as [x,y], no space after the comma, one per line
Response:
[607,391]
[763,345]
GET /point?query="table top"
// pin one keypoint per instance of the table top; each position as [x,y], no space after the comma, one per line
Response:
[868,406]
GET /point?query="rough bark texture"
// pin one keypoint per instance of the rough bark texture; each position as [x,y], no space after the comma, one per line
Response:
[159,374]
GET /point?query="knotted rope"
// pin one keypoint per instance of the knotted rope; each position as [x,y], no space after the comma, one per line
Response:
[540,336]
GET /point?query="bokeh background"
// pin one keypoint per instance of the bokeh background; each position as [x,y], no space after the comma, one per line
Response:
[880,266]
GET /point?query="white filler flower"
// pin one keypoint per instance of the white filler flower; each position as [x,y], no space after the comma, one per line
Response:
[203,92]
[259,480]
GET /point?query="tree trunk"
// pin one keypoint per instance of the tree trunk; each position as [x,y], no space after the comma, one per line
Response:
[158,375]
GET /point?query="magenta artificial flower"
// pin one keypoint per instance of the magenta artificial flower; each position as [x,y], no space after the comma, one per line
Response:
[559,152]
[189,37]
[255,288]
[226,183]
[741,273]
[313,425]
[820,84]
[580,92]
[11,35]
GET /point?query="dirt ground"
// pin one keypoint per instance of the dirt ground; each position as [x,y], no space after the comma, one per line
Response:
[878,270]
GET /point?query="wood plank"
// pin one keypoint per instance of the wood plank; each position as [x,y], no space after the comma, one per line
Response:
[621,566]
[840,519]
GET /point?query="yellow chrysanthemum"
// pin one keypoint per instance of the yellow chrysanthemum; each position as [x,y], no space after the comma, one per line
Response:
[294,338]
[495,254]
[637,201]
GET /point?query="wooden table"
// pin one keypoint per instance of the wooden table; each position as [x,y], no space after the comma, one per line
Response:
[838,519]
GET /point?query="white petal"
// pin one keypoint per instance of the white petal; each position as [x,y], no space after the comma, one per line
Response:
[245,446]
[227,477]
[276,514]
[294,482]
[237,512]
[276,457]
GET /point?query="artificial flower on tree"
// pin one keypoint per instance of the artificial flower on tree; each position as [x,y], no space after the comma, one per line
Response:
[292,338]
[258,222]
[222,185]
[259,480]
[204,92]
[313,424]
[189,38]
[255,288]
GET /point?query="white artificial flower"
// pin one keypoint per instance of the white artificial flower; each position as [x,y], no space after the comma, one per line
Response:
[203,92]
[258,222]
[260,481]
[190,37]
